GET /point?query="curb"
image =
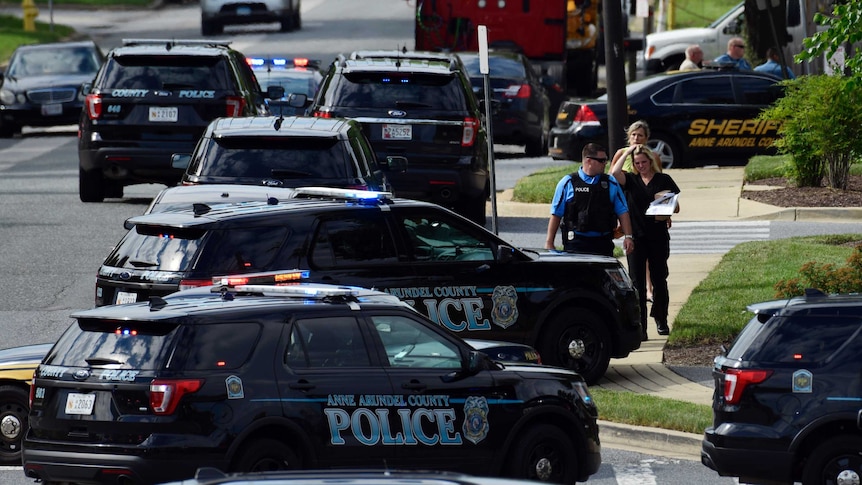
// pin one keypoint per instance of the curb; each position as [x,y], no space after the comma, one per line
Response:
[645,439]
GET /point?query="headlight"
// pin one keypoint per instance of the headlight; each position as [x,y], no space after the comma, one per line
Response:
[7,97]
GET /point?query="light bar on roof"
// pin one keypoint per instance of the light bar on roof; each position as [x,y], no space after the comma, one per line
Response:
[343,193]
[298,290]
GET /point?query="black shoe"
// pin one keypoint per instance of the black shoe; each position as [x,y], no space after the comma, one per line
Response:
[663,329]
[644,337]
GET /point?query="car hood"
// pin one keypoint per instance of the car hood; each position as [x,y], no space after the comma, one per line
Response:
[688,35]
[42,82]
[24,354]
[554,256]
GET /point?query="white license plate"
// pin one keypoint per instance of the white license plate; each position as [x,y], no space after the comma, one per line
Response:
[397,132]
[52,109]
[80,403]
[163,115]
[124,297]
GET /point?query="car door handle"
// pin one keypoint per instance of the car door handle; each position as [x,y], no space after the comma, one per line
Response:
[301,386]
[414,386]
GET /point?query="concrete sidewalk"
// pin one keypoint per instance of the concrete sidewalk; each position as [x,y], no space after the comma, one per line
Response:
[706,194]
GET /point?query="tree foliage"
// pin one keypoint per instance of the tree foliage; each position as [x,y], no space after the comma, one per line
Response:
[844,28]
[825,277]
[820,137]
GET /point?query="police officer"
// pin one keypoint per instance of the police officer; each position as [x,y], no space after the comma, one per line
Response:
[586,207]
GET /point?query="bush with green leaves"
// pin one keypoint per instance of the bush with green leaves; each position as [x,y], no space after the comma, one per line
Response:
[826,277]
[819,130]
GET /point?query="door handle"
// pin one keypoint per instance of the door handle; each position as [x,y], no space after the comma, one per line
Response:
[301,386]
[414,386]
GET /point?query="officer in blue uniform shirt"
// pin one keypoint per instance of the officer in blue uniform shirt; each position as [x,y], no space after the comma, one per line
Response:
[735,55]
[773,65]
[587,206]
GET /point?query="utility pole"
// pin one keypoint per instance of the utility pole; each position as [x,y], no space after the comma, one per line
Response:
[615,75]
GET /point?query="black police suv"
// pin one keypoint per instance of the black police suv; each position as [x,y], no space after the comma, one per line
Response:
[41,84]
[419,105]
[153,98]
[693,116]
[521,113]
[787,394]
[262,378]
[291,151]
[578,311]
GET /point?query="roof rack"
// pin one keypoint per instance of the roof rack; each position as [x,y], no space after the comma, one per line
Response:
[173,42]
[343,194]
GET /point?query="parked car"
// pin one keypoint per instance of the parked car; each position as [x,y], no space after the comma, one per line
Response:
[41,85]
[215,14]
[296,75]
[212,476]
[186,196]
[787,394]
[262,378]
[693,116]
[153,98]
[293,151]
[521,111]
[419,105]
[16,372]
[578,311]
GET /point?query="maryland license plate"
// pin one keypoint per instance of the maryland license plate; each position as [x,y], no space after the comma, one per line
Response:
[124,297]
[397,132]
[52,109]
[160,114]
[80,403]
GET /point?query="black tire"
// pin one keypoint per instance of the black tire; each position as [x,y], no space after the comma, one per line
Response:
[537,147]
[297,20]
[267,455]
[8,130]
[287,23]
[114,190]
[14,408]
[91,185]
[576,339]
[544,453]
[210,27]
[475,209]
[829,459]
[668,149]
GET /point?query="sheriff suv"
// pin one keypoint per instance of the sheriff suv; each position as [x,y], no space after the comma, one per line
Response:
[787,394]
[155,97]
[578,311]
[286,152]
[419,105]
[262,378]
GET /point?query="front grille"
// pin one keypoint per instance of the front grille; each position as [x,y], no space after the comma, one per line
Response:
[49,96]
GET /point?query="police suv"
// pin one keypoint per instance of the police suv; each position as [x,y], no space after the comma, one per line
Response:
[578,311]
[261,378]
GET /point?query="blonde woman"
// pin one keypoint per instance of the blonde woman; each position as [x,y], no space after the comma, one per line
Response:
[652,240]
[637,134]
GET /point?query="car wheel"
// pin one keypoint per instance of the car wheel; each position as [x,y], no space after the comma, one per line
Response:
[576,339]
[544,453]
[90,185]
[667,149]
[475,210]
[297,20]
[835,461]
[14,403]
[209,27]
[114,190]
[267,455]
[537,147]
[287,23]
[8,130]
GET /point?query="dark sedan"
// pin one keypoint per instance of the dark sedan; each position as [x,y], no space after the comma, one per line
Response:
[42,84]
[693,116]
[521,104]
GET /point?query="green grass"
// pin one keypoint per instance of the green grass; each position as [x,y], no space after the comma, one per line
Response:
[647,410]
[12,34]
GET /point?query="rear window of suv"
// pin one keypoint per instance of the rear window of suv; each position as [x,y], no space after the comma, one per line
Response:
[273,157]
[799,339]
[167,72]
[400,90]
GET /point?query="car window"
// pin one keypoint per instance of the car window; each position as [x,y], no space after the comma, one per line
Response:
[399,90]
[408,343]
[165,72]
[353,241]
[326,342]
[363,150]
[757,91]
[441,239]
[58,60]
[156,248]
[121,345]
[497,67]
[706,90]
[788,339]
[282,158]
[241,250]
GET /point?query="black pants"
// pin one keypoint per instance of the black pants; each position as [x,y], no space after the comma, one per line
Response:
[654,252]
[603,245]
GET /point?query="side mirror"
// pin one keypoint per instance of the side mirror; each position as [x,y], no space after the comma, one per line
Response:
[505,253]
[86,88]
[297,100]
[180,160]
[396,164]
[275,92]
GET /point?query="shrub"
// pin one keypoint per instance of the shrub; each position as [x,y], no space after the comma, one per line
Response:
[825,277]
[821,137]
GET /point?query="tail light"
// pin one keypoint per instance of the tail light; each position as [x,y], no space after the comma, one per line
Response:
[187,284]
[165,394]
[468,136]
[735,381]
[32,389]
[322,114]
[93,105]
[519,91]
[235,106]
[585,115]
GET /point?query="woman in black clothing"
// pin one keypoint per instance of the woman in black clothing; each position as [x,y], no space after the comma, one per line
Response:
[642,186]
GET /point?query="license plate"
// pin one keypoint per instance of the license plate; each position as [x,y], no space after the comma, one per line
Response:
[163,115]
[243,11]
[124,297]
[80,403]
[397,132]
[52,109]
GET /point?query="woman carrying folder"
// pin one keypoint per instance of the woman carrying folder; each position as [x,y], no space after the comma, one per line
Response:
[642,186]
